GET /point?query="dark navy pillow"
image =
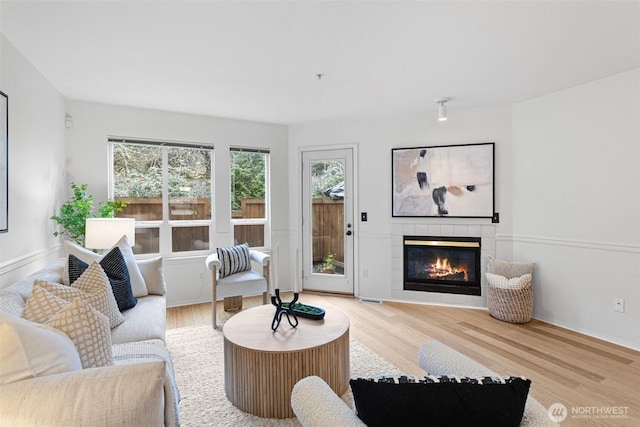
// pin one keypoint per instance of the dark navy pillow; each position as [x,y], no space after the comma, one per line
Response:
[115,267]
[440,401]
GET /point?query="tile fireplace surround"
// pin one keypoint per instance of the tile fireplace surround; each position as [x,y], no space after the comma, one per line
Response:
[487,233]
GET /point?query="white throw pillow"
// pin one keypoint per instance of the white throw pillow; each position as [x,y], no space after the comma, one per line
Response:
[502,282]
[137,281]
[88,329]
[153,273]
[31,350]
[92,286]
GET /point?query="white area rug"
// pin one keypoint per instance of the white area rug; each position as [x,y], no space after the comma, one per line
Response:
[198,360]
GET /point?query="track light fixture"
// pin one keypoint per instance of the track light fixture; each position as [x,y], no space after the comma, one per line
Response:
[442,109]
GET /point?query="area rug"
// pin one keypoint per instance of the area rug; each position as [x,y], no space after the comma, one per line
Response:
[198,360]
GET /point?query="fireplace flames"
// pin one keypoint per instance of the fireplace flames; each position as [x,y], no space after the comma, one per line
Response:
[442,269]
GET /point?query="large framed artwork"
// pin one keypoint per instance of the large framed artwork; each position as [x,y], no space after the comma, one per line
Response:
[454,181]
[4,162]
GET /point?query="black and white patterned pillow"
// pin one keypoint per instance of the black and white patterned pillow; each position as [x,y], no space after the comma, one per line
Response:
[442,400]
[234,259]
[115,266]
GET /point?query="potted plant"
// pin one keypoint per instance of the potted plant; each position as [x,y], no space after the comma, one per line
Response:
[75,211]
[328,263]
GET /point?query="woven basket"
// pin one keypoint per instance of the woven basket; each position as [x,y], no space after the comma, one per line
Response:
[511,305]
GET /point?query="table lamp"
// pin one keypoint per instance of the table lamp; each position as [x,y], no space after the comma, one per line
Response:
[103,233]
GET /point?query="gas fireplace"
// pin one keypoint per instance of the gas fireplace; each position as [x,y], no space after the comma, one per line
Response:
[442,264]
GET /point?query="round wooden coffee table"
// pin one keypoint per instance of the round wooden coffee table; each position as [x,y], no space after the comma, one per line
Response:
[262,366]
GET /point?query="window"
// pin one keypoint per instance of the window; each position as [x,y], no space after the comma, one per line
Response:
[249,196]
[168,190]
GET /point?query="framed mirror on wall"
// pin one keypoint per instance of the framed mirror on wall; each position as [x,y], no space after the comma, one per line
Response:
[4,162]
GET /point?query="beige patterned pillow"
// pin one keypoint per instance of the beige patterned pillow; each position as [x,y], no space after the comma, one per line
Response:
[93,287]
[88,330]
[42,305]
[502,282]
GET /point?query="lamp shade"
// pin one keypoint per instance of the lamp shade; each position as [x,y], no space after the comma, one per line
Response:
[103,233]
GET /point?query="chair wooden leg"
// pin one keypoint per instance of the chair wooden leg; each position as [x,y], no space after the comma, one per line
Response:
[214,318]
[266,274]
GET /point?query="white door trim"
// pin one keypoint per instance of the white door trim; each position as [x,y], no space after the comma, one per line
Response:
[356,209]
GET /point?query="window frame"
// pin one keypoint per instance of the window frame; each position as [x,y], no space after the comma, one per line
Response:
[165,226]
[266,221]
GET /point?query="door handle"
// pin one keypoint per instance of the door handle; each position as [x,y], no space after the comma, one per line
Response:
[348,232]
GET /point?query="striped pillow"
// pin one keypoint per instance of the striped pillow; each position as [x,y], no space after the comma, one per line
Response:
[234,259]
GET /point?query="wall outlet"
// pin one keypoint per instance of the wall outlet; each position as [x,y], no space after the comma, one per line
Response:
[618,305]
[365,273]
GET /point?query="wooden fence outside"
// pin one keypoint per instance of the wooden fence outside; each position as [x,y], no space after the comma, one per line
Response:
[328,229]
[328,220]
[150,209]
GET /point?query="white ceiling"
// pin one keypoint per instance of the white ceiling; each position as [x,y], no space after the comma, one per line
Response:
[258,60]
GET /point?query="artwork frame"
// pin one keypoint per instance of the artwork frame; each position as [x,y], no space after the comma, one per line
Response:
[4,162]
[450,181]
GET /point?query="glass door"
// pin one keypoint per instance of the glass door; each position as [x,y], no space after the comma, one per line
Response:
[327,255]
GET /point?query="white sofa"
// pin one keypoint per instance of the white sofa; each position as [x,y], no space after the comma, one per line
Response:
[316,405]
[138,390]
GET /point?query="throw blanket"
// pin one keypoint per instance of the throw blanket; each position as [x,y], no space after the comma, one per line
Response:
[150,351]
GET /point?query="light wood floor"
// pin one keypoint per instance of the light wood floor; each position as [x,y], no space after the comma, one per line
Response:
[583,373]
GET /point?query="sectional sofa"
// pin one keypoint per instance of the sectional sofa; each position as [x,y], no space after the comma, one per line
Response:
[41,380]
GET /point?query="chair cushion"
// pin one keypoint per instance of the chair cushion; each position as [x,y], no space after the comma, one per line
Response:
[243,283]
[450,401]
[145,322]
[234,259]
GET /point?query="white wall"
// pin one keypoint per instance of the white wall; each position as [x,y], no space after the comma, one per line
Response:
[567,187]
[188,280]
[576,204]
[567,190]
[36,166]
[377,238]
